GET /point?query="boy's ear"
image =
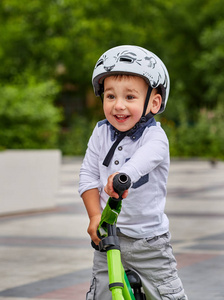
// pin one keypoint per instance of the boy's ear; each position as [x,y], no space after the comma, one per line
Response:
[156,103]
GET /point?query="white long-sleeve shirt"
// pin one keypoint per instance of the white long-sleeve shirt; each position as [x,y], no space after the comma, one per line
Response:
[144,156]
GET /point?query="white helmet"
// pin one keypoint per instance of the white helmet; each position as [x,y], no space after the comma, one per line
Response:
[132,60]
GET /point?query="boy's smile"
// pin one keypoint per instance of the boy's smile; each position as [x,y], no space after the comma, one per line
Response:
[124,98]
[121,118]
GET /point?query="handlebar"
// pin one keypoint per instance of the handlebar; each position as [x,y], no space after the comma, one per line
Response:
[121,183]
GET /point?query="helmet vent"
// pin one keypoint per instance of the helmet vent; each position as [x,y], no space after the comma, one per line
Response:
[126,59]
[100,62]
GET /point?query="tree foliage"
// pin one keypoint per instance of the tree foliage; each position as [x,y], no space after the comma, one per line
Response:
[60,40]
[27,117]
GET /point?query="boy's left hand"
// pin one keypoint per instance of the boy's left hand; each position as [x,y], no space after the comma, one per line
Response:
[110,190]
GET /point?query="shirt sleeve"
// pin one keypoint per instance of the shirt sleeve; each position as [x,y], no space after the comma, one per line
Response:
[89,176]
[153,151]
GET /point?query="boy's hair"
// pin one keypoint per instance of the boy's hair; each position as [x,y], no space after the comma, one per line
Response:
[132,60]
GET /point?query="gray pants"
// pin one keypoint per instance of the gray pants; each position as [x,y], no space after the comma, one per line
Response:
[154,262]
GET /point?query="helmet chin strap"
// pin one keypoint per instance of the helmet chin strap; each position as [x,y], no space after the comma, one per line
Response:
[144,118]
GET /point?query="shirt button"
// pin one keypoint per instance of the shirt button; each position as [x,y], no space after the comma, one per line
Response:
[116,162]
[120,148]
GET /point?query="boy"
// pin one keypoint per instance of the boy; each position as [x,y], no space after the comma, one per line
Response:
[134,83]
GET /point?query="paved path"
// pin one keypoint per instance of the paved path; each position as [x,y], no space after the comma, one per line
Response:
[47,255]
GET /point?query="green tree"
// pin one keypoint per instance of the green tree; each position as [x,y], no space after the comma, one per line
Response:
[60,40]
[28,120]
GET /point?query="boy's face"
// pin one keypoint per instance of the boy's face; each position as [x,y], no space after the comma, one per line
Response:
[124,98]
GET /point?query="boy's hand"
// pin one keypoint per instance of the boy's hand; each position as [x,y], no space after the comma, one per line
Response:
[92,229]
[110,190]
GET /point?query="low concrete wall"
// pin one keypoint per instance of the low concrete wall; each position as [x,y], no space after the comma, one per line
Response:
[29,180]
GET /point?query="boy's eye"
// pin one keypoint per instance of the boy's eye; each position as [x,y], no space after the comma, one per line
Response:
[110,96]
[130,97]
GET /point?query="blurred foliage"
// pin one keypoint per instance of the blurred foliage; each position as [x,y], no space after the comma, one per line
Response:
[74,140]
[27,117]
[205,138]
[60,41]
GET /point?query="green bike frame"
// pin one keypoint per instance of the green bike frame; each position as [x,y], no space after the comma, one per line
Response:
[118,281]
[118,276]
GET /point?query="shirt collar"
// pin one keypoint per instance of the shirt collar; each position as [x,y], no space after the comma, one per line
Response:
[136,132]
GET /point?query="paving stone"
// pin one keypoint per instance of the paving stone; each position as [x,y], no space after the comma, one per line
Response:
[47,254]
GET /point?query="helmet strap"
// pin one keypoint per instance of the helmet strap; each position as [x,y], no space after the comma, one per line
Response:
[101,91]
[144,117]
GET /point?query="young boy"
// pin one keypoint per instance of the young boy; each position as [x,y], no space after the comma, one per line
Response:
[134,83]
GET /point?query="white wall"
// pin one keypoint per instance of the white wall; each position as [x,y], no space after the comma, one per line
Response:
[29,179]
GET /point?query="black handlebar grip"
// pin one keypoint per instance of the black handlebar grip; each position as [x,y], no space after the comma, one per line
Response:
[94,245]
[121,183]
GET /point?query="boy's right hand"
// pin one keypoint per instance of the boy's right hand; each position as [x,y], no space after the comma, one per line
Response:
[93,226]
[109,189]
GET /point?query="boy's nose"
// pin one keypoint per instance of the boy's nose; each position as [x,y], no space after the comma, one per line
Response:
[119,104]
